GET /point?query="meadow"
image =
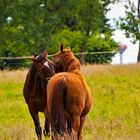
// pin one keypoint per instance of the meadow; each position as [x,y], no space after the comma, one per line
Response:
[115,113]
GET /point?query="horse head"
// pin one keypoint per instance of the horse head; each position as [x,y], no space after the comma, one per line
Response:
[44,67]
[64,60]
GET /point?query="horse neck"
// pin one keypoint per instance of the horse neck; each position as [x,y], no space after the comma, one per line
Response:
[73,66]
[31,75]
[32,81]
[39,86]
[29,83]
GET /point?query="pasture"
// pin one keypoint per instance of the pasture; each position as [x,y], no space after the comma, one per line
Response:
[115,113]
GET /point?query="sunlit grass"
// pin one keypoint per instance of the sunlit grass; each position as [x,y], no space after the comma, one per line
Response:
[116,110]
[115,113]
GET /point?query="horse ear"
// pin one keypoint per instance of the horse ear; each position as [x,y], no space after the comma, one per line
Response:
[45,53]
[42,49]
[61,48]
[33,59]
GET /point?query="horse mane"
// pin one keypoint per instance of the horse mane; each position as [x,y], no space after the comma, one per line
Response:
[72,63]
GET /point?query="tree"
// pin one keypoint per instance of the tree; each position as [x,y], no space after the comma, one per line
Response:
[131,23]
[19,32]
[46,23]
[89,18]
[33,24]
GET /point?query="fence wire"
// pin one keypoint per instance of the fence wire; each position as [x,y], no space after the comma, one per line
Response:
[83,53]
[24,61]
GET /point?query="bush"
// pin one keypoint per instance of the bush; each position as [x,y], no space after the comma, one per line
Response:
[14,63]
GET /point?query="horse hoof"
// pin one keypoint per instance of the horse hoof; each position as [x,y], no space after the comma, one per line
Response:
[46,133]
[39,138]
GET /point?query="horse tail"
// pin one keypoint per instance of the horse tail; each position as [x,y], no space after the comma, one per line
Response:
[57,119]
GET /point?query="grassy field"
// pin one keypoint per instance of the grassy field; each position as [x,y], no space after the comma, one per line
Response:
[115,114]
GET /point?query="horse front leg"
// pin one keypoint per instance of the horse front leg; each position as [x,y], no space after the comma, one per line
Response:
[37,124]
[46,127]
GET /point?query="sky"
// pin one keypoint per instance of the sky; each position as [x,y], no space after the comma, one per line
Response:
[131,53]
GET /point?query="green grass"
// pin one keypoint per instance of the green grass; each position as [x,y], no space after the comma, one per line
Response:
[115,113]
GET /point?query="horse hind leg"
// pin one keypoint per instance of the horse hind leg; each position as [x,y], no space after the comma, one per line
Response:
[37,124]
[82,120]
[75,127]
[69,126]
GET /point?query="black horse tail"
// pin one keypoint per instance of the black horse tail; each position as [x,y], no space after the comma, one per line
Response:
[57,119]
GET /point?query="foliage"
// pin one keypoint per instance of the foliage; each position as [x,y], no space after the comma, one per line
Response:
[95,43]
[11,64]
[104,45]
[28,26]
[131,23]
[69,38]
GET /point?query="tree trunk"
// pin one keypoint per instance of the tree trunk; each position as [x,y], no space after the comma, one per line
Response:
[138,37]
[83,48]
[81,55]
[139,53]
[139,8]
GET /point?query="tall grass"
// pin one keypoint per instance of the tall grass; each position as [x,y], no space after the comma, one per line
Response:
[116,110]
[115,113]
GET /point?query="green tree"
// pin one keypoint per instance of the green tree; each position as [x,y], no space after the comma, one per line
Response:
[88,17]
[33,24]
[131,23]
[46,23]
[15,33]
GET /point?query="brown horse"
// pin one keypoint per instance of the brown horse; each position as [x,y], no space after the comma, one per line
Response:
[68,97]
[34,90]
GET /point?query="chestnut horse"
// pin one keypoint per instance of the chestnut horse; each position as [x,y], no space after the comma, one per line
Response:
[68,96]
[34,90]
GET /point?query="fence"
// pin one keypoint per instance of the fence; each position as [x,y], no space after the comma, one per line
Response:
[86,57]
